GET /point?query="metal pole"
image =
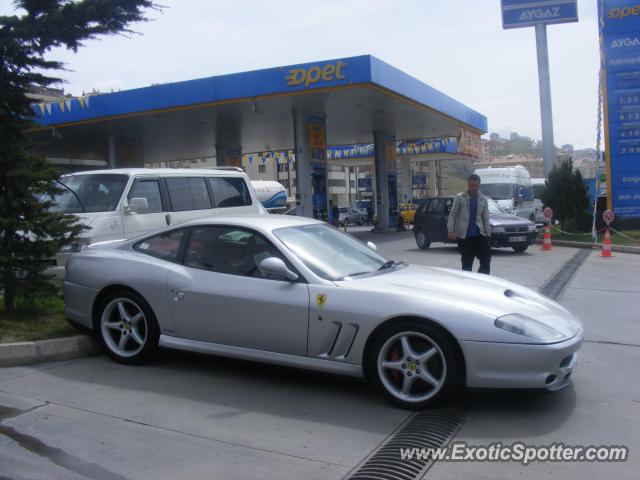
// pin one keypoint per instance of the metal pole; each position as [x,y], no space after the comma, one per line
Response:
[544,81]
[112,150]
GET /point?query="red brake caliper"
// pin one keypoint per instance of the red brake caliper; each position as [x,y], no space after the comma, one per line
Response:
[395,355]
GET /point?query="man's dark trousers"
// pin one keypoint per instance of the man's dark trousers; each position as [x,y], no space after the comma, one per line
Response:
[475,247]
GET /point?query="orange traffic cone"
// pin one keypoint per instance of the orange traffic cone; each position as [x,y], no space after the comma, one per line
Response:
[606,245]
[546,240]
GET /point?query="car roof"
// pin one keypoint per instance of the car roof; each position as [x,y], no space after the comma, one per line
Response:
[163,171]
[263,222]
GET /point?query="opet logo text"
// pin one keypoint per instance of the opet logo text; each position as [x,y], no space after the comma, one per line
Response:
[307,76]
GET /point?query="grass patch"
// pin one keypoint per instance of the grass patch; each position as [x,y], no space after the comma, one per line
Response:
[37,318]
[631,237]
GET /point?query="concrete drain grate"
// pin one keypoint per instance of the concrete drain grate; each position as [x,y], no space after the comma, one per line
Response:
[556,285]
[429,429]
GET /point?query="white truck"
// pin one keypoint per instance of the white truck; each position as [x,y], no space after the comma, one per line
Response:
[538,187]
[510,187]
[272,195]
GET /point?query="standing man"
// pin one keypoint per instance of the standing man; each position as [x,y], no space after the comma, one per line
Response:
[469,225]
[334,214]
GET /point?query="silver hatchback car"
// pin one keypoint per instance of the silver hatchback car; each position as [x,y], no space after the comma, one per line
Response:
[298,292]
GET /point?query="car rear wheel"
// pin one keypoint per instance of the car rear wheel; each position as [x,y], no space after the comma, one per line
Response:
[415,365]
[127,327]
[421,240]
[520,248]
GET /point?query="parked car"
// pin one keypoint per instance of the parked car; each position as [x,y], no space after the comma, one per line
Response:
[350,215]
[127,202]
[407,212]
[430,225]
[298,292]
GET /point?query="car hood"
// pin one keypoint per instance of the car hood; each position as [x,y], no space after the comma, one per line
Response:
[506,219]
[482,293]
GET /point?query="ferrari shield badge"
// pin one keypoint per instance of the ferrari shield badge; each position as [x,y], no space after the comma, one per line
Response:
[321,299]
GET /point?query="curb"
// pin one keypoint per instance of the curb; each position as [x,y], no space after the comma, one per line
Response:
[66,348]
[569,243]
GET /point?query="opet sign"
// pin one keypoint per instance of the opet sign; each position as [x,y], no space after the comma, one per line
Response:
[311,75]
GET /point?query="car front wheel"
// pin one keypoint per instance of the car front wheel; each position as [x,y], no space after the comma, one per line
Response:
[421,240]
[415,365]
[127,327]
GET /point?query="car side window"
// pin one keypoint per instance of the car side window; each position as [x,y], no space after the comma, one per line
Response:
[229,191]
[188,193]
[425,206]
[447,206]
[435,206]
[230,250]
[150,191]
[165,246]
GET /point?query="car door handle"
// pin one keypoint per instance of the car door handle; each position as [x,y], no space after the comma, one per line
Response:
[167,218]
[177,296]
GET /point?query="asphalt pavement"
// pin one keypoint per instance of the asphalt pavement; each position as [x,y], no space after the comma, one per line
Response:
[196,417]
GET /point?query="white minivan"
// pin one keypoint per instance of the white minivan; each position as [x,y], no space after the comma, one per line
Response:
[510,187]
[124,203]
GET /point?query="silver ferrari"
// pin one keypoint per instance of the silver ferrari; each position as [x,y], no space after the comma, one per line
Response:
[298,292]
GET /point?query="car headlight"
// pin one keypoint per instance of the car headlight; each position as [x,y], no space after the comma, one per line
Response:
[532,228]
[76,246]
[497,229]
[521,325]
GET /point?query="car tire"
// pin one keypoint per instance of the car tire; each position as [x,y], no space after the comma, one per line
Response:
[520,248]
[428,372]
[127,327]
[422,240]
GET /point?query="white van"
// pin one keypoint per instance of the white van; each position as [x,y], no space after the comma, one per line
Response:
[510,187]
[124,203]
[538,186]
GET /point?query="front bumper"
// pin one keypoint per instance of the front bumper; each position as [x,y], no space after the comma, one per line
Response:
[499,240]
[514,365]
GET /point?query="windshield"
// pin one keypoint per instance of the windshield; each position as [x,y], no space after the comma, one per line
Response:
[494,208]
[537,191]
[99,192]
[498,191]
[329,253]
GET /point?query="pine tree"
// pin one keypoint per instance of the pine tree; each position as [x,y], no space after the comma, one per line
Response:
[566,194]
[29,232]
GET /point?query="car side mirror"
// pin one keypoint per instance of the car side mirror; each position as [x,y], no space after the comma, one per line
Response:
[137,205]
[372,246]
[275,267]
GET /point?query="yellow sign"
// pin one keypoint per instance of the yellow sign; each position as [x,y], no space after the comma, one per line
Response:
[308,76]
[390,149]
[317,140]
[321,299]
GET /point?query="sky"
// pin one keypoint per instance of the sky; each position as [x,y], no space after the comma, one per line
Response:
[456,46]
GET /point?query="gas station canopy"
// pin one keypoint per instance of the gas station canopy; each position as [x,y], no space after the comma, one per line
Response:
[252,111]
